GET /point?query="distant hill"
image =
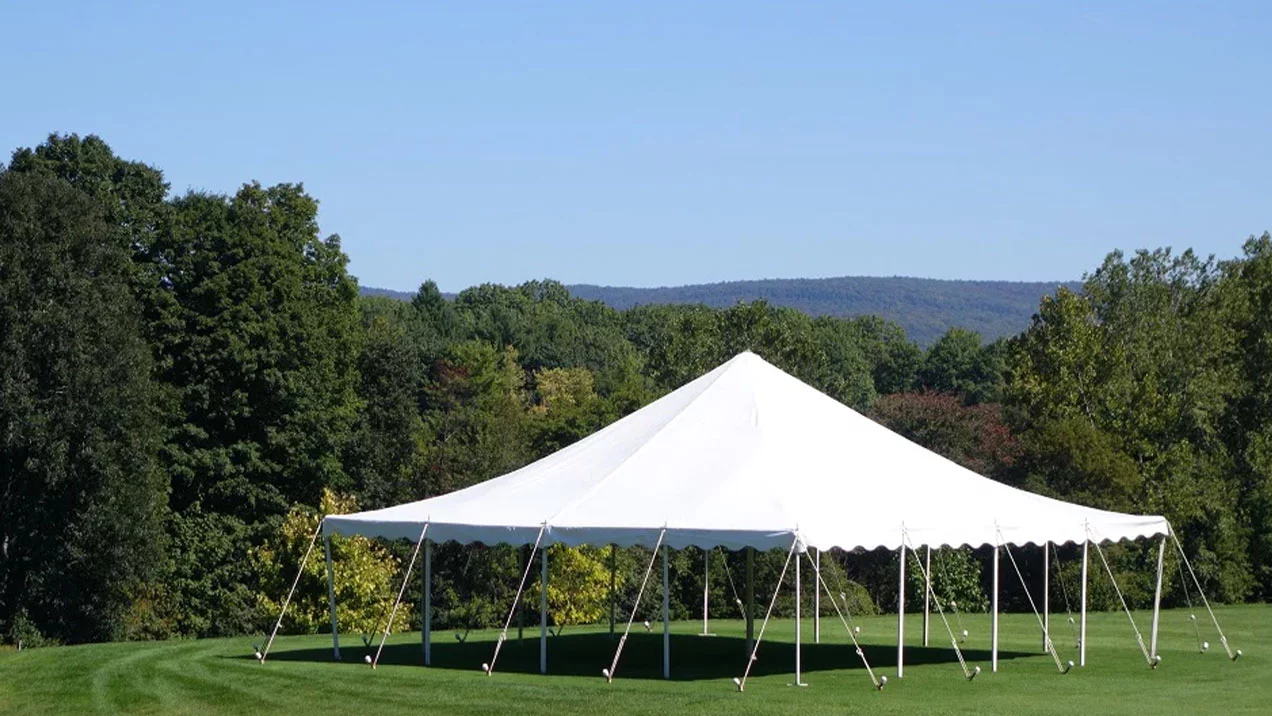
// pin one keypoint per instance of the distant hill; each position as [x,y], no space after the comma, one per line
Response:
[924,307]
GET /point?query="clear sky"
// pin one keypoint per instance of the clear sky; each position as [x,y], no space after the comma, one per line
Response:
[649,143]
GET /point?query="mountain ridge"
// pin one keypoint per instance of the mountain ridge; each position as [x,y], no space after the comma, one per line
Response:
[924,307]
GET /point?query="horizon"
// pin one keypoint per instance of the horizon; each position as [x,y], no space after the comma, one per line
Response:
[445,290]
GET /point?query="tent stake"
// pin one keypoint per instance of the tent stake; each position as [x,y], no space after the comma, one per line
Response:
[644,581]
[741,683]
[516,601]
[299,573]
[388,624]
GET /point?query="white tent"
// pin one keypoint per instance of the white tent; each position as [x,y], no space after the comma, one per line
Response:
[748,456]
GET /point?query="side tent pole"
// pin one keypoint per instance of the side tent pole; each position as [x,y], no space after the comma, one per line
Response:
[331,599]
[1157,599]
[1046,595]
[543,613]
[798,680]
[927,592]
[1086,547]
[750,599]
[666,619]
[426,611]
[994,640]
[817,599]
[901,612]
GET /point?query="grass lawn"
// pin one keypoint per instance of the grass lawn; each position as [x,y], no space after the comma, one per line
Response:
[221,675]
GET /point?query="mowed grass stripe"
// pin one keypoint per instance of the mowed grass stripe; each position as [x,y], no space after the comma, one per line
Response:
[221,676]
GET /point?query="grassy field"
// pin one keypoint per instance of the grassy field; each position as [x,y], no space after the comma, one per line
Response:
[221,675]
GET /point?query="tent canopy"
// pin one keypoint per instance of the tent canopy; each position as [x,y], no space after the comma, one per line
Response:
[746,456]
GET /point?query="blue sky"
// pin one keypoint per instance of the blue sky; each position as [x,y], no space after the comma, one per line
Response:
[653,144]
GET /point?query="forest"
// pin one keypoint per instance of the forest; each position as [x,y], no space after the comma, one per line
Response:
[188,381]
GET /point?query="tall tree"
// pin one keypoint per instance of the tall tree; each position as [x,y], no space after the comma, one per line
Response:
[1143,357]
[262,352]
[1248,422]
[80,492]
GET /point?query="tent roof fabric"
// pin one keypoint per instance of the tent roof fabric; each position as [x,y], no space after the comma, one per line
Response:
[746,456]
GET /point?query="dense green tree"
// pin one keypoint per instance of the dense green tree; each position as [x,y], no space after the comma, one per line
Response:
[1145,358]
[475,410]
[1248,422]
[894,359]
[387,450]
[132,196]
[81,497]
[957,363]
[262,354]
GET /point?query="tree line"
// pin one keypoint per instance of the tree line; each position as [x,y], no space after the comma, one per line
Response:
[188,381]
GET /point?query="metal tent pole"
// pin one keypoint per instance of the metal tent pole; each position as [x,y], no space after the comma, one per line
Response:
[1157,598]
[994,639]
[901,612]
[543,613]
[666,618]
[426,612]
[331,599]
[927,592]
[799,681]
[817,598]
[750,599]
[1082,640]
[1046,595]
[706,586]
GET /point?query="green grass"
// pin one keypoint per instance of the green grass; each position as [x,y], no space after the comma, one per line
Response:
[221,676]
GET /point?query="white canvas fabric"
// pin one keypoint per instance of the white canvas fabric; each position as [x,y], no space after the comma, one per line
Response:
[746,456]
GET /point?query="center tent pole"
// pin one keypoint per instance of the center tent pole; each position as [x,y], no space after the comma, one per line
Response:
[901,612]
[1157,598]
[994,640]
[1082,640]
[927,592]
[666,618]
